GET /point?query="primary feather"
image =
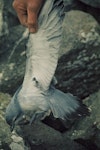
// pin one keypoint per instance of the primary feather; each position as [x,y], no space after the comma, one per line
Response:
[37,97]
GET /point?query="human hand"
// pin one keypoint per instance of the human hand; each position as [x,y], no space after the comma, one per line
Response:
[27,11]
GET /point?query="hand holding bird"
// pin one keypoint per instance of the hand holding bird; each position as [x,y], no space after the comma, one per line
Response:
[28,11]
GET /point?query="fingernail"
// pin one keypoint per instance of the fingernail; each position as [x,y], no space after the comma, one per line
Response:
[32,30]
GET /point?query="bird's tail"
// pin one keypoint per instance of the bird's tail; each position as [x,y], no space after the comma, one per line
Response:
[65,106]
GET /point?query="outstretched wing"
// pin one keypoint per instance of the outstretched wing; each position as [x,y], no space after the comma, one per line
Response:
[43,47]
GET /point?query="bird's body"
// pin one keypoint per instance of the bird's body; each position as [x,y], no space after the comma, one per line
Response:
[37,97]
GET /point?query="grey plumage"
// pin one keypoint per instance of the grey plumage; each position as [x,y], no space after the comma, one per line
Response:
[37,97]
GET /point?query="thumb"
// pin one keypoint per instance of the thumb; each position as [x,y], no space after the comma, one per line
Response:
[32,20]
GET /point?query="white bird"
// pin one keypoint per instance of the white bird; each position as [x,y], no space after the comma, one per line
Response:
[37,97]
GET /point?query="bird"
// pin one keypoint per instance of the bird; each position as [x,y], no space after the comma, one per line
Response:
[38,97]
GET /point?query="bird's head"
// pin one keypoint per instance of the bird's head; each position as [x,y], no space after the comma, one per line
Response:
[14,114]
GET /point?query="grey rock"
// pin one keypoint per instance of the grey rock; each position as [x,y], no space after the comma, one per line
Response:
[18,142]
[16,146]
[86,127]
[5,134]
[71,4]
[12,59]
[68,2]
[80,30]
[16,138]
[8,6]
[94,3]
[78,68]
[1,16]
[8,16]
[90,126]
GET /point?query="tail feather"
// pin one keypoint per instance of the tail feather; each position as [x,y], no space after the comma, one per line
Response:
[66,106]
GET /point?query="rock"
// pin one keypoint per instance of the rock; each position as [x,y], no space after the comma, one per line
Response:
[73,4]
[18,142]
[78,69]
[88,129]
[8,140]
[69,4]
[89,126]
[16,139]
[94,3]
[5,134]
[16,146]
[8,7]
[1,17]
[8,17]
[80,30]
[40,137]
[9,35]
[82,6]
[12,59]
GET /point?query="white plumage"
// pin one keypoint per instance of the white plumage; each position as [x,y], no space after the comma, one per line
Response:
[37,97]
[43,47]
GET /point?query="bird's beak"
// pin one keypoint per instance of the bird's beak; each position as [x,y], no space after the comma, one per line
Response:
[12,127]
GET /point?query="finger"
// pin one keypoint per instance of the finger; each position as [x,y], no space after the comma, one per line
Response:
[23,19]
[32,20]
[33,10]
[20,8]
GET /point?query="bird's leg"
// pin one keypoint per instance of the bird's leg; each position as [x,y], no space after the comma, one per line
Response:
[22,120]
[32,119]
[38,116]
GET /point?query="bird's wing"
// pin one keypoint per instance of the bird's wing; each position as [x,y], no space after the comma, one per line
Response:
[43,47]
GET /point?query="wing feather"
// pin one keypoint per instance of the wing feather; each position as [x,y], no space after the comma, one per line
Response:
[43,47]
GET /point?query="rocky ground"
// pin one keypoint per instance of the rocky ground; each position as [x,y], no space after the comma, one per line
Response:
[78,72]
